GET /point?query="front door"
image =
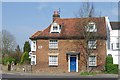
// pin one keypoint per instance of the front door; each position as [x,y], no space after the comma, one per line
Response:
[72,64]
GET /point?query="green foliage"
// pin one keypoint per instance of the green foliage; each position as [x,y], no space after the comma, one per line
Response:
[0,60]
[8,59]
[26,47]
[88,73]
[109,60]
[26,50]
[110,67]
[25,57]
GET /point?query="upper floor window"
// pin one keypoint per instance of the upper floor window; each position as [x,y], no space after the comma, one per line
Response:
[91,27]
[115,46]
[92,61]
[53,44]
[33,45]
[55,28]
[92,44]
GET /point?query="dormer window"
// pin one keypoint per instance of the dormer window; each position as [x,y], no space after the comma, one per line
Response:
[55,28]
[91,27]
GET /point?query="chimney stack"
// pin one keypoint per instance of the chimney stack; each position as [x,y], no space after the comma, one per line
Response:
[56,15]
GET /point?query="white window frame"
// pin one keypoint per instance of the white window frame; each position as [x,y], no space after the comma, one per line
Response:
[88,29]
[114,46]
[53,44]
[33,59]
[92,62]
[33,45]
[56,30]
[53,60]
[30,54]
[92,44]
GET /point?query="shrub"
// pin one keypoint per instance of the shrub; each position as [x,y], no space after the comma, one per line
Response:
[109,60]
[8,59]
[25,57]
[110,67]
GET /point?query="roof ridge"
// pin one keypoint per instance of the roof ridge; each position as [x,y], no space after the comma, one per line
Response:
[81,18]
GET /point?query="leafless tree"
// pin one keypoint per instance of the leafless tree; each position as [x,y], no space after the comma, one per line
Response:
[8,42]
[86,12]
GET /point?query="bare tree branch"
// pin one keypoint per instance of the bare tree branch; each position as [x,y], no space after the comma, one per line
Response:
[8,42]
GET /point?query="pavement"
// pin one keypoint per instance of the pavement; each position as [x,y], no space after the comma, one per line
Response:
[55,76]
[44,74]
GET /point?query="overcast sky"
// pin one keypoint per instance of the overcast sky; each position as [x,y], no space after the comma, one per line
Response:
[22,19]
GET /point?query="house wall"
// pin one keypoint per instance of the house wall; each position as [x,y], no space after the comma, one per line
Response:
[114,38]
[64,46]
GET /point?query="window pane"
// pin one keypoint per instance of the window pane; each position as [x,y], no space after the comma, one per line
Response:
[53,44]
[117,45]
[92,44]
[55,28]
[92,61]
[91,27]
[53,60]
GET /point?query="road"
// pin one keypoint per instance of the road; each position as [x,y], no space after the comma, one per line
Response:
[56,77]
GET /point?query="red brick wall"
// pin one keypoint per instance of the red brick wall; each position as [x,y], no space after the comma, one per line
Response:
[65,46]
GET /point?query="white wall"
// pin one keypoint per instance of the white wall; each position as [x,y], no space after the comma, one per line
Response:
[114,38]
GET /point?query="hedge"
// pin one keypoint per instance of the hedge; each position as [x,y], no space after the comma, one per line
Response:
[110,67]
[109,60]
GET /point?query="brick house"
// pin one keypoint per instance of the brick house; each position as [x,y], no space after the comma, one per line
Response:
[59,47]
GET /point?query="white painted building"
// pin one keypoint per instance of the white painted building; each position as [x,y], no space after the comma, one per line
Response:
[114,42]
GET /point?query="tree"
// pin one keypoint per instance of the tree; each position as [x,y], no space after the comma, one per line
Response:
[87,11]
[26,50]
[16,54]
[25,58]
[17,48]
[8,42]
[26,47]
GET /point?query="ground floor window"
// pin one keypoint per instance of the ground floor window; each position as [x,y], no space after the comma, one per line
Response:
[92,61]
[33,59]
[53,60]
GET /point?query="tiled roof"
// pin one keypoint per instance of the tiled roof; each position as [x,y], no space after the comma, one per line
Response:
[71,30]
[36,34]
[115,25]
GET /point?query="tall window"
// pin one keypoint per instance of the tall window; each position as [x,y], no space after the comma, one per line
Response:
[92,44]
[92,61]
[118,45]
[53,60]
[91,27]
[33,59]
[33,46]
[53,44]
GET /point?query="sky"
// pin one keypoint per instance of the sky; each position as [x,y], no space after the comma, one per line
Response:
[22,19]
